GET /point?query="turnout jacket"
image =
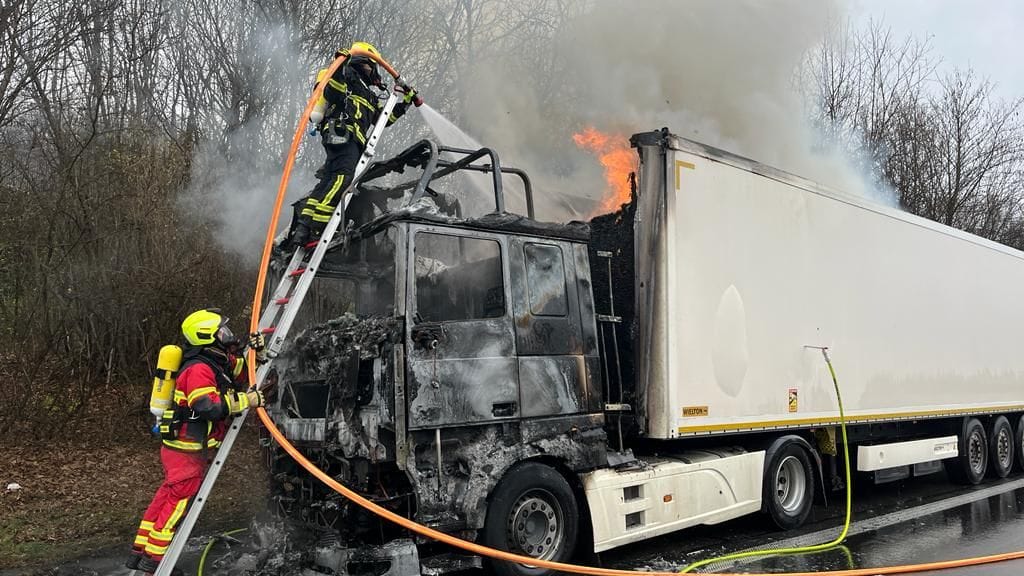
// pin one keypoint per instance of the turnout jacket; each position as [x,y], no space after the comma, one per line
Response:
[353,105]
[205,381]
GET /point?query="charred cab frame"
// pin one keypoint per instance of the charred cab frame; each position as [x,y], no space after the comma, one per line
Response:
[486,357]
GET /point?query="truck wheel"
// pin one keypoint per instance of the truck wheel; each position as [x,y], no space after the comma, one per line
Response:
[970,466]
[1018,443]
[1000,447]
[788,489]
[532,512]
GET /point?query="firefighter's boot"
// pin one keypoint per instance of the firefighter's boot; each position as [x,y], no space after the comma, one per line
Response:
[301,236]
[149,566]
[134,559]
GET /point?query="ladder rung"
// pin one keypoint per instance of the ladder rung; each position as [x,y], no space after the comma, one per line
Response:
[604,254]
[609,318]
[311,245]
[268,329]
[297,272]
[282,301]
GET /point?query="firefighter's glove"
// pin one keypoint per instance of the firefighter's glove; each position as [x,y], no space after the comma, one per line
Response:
[255,398]
[410,94]
[238,402]
[258,343]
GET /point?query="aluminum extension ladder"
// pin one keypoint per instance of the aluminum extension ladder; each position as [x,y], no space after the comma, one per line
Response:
[275,322]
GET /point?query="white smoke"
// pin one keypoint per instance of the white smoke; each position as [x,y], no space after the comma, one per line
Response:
[721,73]
[234,181]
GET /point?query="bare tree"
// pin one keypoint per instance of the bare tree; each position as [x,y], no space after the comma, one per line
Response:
[951,150]
[960,158]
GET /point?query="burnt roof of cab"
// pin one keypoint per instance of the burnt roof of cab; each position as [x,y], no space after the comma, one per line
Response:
[505,222]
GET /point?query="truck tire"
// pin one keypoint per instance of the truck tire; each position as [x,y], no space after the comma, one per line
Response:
[1018,443]
[972,463]
[532,512]
[1001,440]
[788,487]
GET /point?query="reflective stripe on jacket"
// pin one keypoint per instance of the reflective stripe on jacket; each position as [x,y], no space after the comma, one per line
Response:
[348,97]
[201,385]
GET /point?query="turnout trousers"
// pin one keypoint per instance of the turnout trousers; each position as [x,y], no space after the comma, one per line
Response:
[183,473]
[334,177]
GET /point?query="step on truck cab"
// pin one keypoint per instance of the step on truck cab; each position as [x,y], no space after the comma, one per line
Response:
[554,389]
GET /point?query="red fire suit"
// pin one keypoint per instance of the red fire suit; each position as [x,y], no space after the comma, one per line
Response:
[207,391]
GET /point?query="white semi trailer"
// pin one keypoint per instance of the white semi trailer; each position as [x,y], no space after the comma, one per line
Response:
[741,270]
[654,372]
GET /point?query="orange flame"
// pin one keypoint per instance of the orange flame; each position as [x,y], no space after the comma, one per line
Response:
[615,155]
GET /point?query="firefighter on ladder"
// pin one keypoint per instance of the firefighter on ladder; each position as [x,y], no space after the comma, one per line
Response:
[343,116]
[210,388]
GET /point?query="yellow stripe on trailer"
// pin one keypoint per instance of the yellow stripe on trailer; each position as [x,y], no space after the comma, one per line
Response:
[834,421]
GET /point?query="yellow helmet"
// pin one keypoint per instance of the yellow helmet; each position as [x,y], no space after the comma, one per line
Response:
[205,327]
[364,46]
[357,46]
[370,75]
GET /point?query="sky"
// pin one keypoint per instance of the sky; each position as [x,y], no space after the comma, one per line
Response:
[986,35]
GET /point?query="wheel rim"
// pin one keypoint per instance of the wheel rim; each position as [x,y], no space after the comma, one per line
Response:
[790,484]
[535,526]
[1003,449]
[976,453]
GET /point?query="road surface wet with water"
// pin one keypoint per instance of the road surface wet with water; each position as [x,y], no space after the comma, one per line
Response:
[924,520]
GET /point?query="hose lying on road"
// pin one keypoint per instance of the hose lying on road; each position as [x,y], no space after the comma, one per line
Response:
[849,496]
[209,546]
[465,545]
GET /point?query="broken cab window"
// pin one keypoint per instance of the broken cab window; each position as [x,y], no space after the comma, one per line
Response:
[458,278]
[358,278]
[545,276]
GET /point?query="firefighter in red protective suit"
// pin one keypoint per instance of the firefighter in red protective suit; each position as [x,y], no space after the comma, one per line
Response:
[210,389]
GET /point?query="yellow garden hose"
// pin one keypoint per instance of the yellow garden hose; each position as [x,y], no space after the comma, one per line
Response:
[209,546]
[472,547]
[849,498]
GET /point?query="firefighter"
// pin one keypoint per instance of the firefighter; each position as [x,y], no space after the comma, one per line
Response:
[210,388]
[343,117]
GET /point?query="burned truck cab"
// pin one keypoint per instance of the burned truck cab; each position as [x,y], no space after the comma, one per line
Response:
[446,368]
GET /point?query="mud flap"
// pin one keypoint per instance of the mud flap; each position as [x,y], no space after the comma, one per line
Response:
[396,558]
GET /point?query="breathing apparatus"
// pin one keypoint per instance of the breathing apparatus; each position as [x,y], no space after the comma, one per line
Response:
[201,328]
[161,398]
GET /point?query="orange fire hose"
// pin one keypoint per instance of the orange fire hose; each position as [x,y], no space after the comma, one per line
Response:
[427,532]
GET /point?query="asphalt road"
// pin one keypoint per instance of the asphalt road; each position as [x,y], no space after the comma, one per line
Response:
[920,520]
[916,521]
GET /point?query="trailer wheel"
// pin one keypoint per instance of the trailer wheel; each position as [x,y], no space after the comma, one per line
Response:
[788,488]
[1018,443]
[1000,447]
[972,463]
[532,512]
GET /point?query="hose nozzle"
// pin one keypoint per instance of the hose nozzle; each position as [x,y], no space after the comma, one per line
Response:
[404,88]
[824,350]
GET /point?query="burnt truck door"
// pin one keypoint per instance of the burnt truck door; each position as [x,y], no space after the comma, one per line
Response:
[461,359]
[555,339]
